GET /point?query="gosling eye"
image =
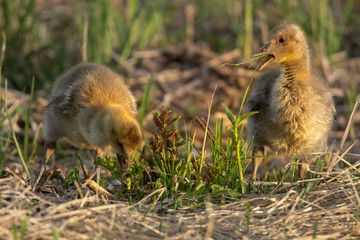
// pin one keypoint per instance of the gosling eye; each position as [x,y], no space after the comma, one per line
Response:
[282,40]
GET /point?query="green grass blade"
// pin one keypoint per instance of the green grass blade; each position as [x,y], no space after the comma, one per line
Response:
[247,61]
[14,232]
[24,224]
[246,92]
[145,101]
[248,27]
[14,135]
[27,122]
[56,233]
[85,172]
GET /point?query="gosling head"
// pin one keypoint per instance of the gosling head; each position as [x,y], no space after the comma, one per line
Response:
[124,135]
[285,44]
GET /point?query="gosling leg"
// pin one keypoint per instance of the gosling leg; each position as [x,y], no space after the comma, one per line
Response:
[100,154]
[49,148]
[304,164]
[257,151]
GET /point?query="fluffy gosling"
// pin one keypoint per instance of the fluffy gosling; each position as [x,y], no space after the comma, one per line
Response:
[295,107]
[94,109]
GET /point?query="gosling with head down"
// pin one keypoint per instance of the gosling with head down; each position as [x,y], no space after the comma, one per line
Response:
[92,107]
[295,108]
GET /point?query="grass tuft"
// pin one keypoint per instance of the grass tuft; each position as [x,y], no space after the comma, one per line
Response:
[254,60]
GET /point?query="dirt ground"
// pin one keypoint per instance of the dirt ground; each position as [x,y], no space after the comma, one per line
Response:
[329,211]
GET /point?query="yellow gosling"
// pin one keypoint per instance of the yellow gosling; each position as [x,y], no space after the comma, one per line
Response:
[295,107]
[92,107]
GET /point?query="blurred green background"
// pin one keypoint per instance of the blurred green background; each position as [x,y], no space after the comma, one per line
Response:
[43,38]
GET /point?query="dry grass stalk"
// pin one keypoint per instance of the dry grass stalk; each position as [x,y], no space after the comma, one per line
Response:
[269,217]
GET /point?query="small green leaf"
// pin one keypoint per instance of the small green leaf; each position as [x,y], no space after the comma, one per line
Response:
[215,187]
[230,128]
[242,117]
[74,174]
[229,114]
[233,193]
[199,189]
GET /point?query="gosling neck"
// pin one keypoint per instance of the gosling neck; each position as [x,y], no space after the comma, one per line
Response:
[292,71]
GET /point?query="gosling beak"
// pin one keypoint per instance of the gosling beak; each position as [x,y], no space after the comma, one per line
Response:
[265,51]
[124,161]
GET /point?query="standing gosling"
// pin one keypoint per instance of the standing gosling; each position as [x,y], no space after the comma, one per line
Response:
[94,109]
[295,108]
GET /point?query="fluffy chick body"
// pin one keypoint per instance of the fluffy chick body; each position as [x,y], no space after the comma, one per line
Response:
[295,107]
[94,109]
